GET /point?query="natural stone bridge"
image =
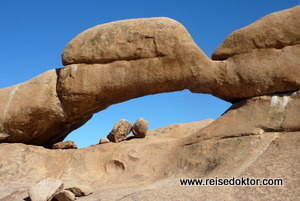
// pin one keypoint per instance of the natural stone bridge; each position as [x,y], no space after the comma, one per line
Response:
[122,60]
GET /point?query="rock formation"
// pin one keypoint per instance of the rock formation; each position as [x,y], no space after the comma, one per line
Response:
[45,189]
[80,191]
[35,118]
[255,116]
[140,128]
[65,145]
[150,169]
[65,195]
[49,188]
[120,131]
[103,67]
[104,140]
[257,68]
[274,31]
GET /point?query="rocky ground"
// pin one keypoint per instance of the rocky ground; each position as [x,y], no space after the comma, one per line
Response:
[150,168]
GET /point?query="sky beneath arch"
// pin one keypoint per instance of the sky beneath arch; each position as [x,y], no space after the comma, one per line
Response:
[34,34]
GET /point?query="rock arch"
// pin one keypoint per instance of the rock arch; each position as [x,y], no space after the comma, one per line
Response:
[118,61]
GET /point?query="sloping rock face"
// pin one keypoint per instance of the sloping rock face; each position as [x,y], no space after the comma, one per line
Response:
[263,114]
[118,61]
[150,169]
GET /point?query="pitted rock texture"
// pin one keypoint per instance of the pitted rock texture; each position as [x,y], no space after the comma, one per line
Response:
[150,169]
[118,61]
[126,40]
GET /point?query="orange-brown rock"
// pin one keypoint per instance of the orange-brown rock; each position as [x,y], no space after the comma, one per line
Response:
[257,138]
[120,131]
[85,81]
[104,140]
[253,117]
[275,31]
[81,190]
[32,112]
[118,61]
[45,189]
[140,128]
[262,58]
[65,195]
[128,40]
[65,145]
[129,59]
[150,169]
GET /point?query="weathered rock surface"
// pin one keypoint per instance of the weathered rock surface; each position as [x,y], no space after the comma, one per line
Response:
[118,61]
[64,195]
[35,118]
[81,190]
[140,128]
[111,59]
[150,169]
[45,189]
[65,145]
[104,140]
[276,31]
[258,137]
[263,114]
[262,58]
[120,130]
[126,40]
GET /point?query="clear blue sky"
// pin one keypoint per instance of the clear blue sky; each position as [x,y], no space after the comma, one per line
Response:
[35,32]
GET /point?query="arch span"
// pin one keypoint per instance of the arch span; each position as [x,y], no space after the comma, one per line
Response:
[123,60]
